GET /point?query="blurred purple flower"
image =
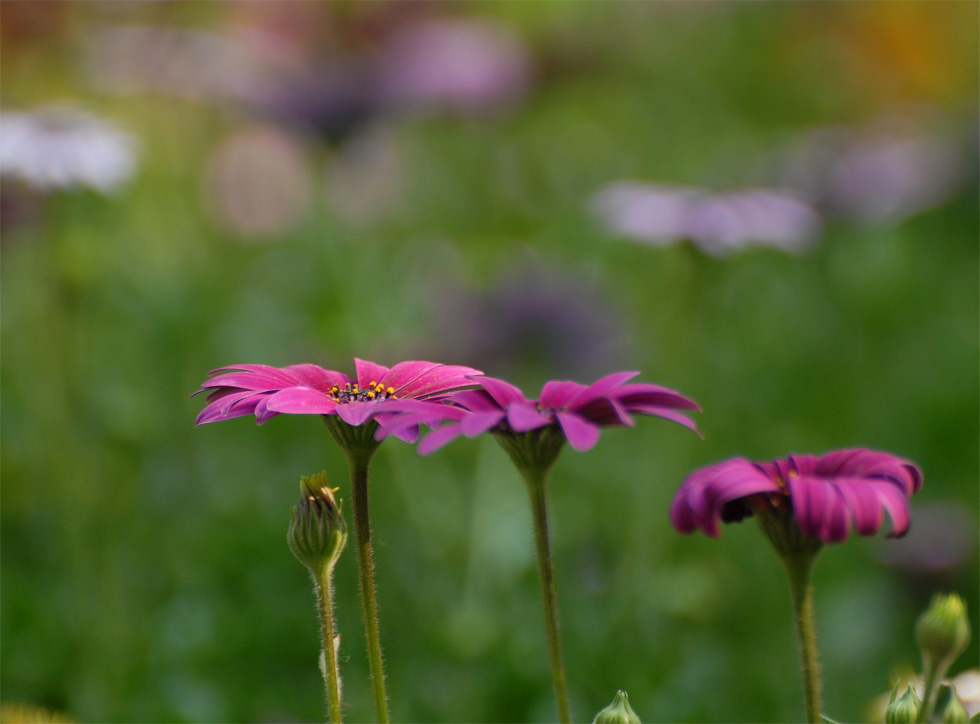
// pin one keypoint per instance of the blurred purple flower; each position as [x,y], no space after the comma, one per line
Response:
[540,317]
[825,494]
[468,66]
[945,539]
[880,173]
[571,409]
[59,147]
[306,389]
[717,223]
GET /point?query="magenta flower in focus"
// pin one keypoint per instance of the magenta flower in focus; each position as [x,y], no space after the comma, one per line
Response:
[826,494]
[306,389]
[574,410]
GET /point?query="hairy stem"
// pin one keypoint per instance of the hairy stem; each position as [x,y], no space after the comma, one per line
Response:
[323,582]
[365,565]
[536,478]
[799,569]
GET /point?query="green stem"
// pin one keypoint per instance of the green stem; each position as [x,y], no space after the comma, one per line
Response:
[799,568]
[536,479]
[323,581]
[931,676]
[365,564]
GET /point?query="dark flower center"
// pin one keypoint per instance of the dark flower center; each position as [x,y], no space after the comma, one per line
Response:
[353,393]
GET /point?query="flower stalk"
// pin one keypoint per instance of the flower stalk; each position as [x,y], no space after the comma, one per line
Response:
[799,569]
[536,479]
[359,444]
[323,582]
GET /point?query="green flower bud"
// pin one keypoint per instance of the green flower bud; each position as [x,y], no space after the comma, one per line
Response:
[619,712]
[943,631]
[949,707]
[317,531]
[904,709]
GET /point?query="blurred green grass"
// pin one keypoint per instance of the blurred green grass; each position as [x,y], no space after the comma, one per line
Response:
[145,572]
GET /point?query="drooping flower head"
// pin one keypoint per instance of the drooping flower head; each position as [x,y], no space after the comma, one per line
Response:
[306,389]
[825,495]
[564,411]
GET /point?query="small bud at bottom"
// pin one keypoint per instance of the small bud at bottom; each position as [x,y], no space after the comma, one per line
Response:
[949,707]
[619,712]
[904,709]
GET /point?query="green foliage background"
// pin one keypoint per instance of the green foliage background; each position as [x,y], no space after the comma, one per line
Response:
[145,572]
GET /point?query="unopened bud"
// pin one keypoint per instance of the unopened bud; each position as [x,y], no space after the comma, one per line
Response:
[619,712]
[949,708]
[943,631]
[902,709]
[317,531]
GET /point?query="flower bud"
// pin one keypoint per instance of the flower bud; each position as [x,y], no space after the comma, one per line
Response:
[619,712]
[949,708]
[943,631]
[903,709]
[317,531]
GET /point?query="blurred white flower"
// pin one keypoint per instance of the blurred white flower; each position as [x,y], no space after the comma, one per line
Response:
[718,223]
[62,147]
[467,66]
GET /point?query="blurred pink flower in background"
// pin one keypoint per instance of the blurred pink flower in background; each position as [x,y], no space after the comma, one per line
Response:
[467,66]
[62,147]
[717,223]
[258,183]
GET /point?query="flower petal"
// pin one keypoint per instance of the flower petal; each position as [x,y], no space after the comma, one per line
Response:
[667,414]
[355,413]
[701,496]
[812,503]
[437,438]
[368,372]
[863,502]
[503,393]
[558,394]
[523,417]
[404,373]
[301,401]
[581,434]
[440,379]
[477,423]
[315,377]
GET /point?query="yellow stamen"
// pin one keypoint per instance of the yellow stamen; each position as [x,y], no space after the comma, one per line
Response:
[390,391]
[370,395]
